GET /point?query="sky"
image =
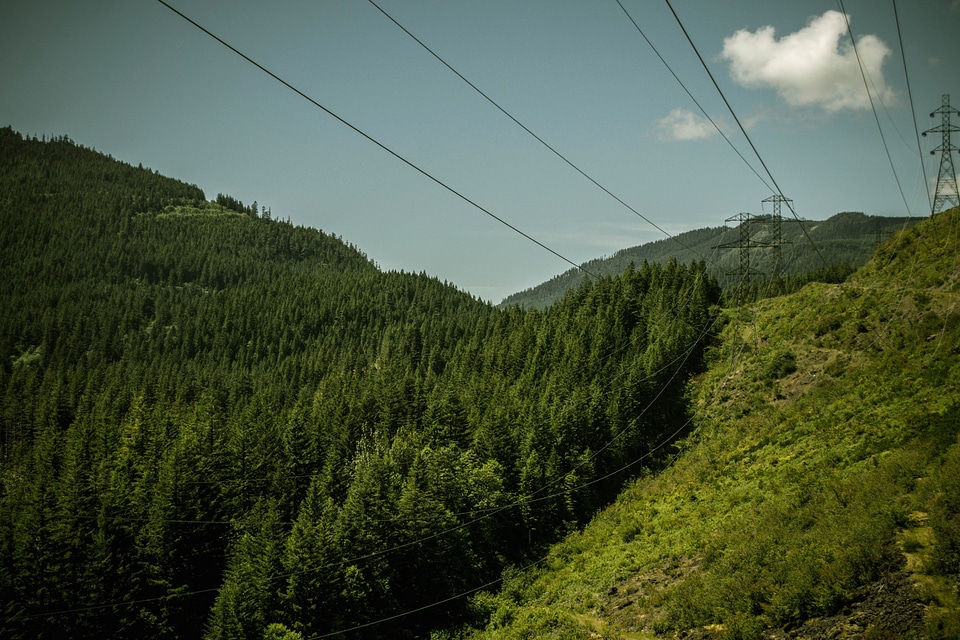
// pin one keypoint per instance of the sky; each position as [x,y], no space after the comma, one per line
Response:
[476,200]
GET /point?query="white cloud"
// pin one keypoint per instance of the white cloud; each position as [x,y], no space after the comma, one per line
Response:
[811,67]
[681,124]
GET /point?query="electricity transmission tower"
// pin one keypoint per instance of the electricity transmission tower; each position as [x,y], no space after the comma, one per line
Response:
[946,191]
[744,243]
[777,242]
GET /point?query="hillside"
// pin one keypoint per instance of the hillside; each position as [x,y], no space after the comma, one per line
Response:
[845,240]
[817,496]
[216,423]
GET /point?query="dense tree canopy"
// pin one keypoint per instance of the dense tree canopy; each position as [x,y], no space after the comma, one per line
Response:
[212,419]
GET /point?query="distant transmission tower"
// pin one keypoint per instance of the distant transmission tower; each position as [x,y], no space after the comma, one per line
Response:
[777,242]
[744,243]
[946,191]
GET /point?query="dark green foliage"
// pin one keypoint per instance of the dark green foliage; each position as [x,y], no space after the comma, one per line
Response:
[780,364]
[213,420]
[758,290]
[945,516]
[228,202]
[812,251]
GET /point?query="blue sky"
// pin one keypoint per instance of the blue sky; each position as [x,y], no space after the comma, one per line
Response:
[134,80]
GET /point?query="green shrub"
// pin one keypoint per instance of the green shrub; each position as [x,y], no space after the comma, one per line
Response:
[944,516]
[780,365]
[278,631]
[943,625]
[743,627]
[804,552]
[826,325]
[542,622]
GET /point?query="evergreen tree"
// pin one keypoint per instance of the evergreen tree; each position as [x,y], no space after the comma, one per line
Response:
[217,420]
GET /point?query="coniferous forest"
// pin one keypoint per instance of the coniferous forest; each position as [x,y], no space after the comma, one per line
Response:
[218,424]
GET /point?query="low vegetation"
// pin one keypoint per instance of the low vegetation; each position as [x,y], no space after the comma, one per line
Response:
[822,466]
[216,423]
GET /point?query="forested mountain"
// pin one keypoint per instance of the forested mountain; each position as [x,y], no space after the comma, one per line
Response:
[818,493]
[826,250]
[219,424]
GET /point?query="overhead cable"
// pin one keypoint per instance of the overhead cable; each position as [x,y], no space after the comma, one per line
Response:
[873,107]
[743,130]
[695,101]
[423,608]
[535,136]
[481,515]
[437,534]
[369,137]
[913,110]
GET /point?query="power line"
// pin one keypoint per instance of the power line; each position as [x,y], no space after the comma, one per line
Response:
[525,128]
[423,608]
[779,197]
[913,109]
[113,605]
[498,580]
[489,513]
[370,138]
[743,129]
[675,365]
[484,514]
[419,170]
[733,113]
[695,101]
[866,87]
[483,586]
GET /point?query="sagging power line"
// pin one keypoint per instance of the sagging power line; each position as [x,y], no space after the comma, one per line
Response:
[873,107]
[529,131]
[369,137]
[777,190]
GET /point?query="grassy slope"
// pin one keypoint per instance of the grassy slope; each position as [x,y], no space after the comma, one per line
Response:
[824,464]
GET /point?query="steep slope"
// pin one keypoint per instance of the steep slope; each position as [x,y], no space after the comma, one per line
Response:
[818,495]
[216,423]
[844,240]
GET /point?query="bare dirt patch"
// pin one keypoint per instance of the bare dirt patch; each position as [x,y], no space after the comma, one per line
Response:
[887,608]
[890,607]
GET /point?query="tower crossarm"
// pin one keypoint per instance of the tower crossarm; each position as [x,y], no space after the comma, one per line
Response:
[946,191]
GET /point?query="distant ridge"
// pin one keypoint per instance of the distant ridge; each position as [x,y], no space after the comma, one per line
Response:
[848,238]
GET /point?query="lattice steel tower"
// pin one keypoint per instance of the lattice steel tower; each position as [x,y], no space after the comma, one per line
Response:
[946,191]
[744,243]
[777,243]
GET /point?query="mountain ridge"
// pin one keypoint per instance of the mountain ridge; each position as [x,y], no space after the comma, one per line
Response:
[846,239]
